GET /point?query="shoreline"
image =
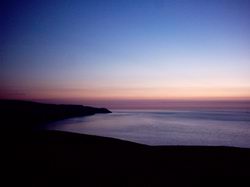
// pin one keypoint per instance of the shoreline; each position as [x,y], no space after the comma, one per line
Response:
[57,158]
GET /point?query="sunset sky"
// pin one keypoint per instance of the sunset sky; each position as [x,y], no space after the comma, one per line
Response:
[82,51]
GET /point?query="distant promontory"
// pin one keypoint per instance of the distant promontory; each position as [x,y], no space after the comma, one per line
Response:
[28,114]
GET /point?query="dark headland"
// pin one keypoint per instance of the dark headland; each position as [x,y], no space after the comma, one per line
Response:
[52,158]
[27,115]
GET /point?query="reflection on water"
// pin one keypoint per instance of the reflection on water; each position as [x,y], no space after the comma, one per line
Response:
[165,127]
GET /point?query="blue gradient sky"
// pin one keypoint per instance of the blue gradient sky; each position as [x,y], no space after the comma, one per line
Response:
[118,50]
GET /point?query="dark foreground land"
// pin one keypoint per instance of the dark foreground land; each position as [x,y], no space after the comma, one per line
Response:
[53,158]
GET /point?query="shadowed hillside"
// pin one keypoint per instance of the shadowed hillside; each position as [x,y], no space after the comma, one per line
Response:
[26,115]
[52,158]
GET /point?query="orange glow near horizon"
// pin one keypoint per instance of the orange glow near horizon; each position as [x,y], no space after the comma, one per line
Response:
[167,93]
[113,51]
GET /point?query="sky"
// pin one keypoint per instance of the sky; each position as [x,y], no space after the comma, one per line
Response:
[113,51]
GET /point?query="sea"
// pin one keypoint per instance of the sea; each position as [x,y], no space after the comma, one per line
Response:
[166,127]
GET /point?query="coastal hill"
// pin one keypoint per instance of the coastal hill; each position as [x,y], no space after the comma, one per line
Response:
[54,158]
[27,115]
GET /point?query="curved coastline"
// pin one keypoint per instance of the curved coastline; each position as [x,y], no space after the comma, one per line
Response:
[56,158]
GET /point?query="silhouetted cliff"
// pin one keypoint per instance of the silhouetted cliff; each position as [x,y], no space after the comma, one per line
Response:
[25,115]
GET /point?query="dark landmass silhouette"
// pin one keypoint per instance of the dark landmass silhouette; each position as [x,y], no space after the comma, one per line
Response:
[54,158]
[27,115]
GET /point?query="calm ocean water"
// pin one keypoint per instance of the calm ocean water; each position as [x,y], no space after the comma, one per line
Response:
[166,127]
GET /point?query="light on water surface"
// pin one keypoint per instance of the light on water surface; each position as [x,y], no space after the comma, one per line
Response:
[165,127]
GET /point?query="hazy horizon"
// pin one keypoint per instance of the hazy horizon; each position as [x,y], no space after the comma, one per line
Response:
[223,105]
[119,54]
